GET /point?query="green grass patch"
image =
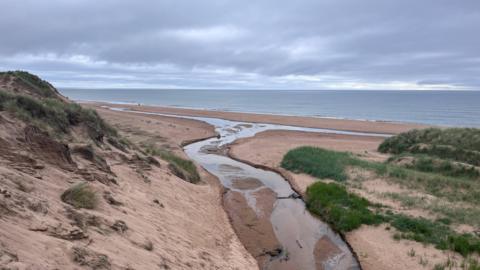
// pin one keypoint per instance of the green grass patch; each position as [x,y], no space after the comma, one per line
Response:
[80,196]
[343,210]
[183,168]
[324,163]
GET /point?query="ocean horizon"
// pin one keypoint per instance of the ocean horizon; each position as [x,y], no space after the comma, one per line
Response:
[443,108]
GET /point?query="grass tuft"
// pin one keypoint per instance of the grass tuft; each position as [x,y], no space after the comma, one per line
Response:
[80,195]
[182,168]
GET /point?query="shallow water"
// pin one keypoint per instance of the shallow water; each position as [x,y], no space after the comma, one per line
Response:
[295,228]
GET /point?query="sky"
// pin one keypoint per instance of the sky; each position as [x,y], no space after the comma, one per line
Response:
[261,44]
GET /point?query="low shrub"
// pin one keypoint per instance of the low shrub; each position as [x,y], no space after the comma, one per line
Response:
[80,195]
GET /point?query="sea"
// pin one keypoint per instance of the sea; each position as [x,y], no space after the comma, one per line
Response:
[442,108]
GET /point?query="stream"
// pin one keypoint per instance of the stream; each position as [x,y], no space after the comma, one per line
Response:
[268,216]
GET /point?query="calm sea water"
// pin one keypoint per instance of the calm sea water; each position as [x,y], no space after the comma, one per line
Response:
[448,108]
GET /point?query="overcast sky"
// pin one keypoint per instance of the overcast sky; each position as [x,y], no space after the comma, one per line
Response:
[269,44]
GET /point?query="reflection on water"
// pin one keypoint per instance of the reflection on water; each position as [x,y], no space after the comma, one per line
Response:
[307,242]
[295,228]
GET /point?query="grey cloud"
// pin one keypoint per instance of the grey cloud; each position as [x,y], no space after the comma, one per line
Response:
[264,44]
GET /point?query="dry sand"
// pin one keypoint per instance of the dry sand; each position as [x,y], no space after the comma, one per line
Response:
[163,222]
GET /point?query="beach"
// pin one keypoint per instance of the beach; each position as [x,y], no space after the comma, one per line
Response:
[312,122]
[266,149]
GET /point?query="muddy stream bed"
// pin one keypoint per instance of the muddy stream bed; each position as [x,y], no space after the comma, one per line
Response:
[268,216]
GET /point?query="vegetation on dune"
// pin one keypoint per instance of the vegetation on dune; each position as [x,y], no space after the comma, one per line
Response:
[425,163]
[183,168]
[55,115]
[454,213]
[80,195]
[343,210]
[35,84]
[346,211]
[324,163]
[434,232]
[459,144]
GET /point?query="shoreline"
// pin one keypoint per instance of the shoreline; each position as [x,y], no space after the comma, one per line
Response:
[80,101]
[361,144]
[366,126]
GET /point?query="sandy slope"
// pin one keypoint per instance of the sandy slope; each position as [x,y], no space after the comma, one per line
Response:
[170,224]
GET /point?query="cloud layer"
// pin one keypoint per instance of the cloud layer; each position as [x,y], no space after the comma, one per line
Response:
[266,44]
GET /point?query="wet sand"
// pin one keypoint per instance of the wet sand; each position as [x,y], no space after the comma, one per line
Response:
[267,148]
[254,231]
[314,122]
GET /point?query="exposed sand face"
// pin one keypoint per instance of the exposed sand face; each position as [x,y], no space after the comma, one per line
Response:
[169,223]
[173,133]
[349,125]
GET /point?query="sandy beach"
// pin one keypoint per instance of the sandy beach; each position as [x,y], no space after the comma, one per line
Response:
[229,135]
[313,122]
[266,150]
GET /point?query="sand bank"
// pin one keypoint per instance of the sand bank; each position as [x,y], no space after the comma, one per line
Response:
[314,122]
